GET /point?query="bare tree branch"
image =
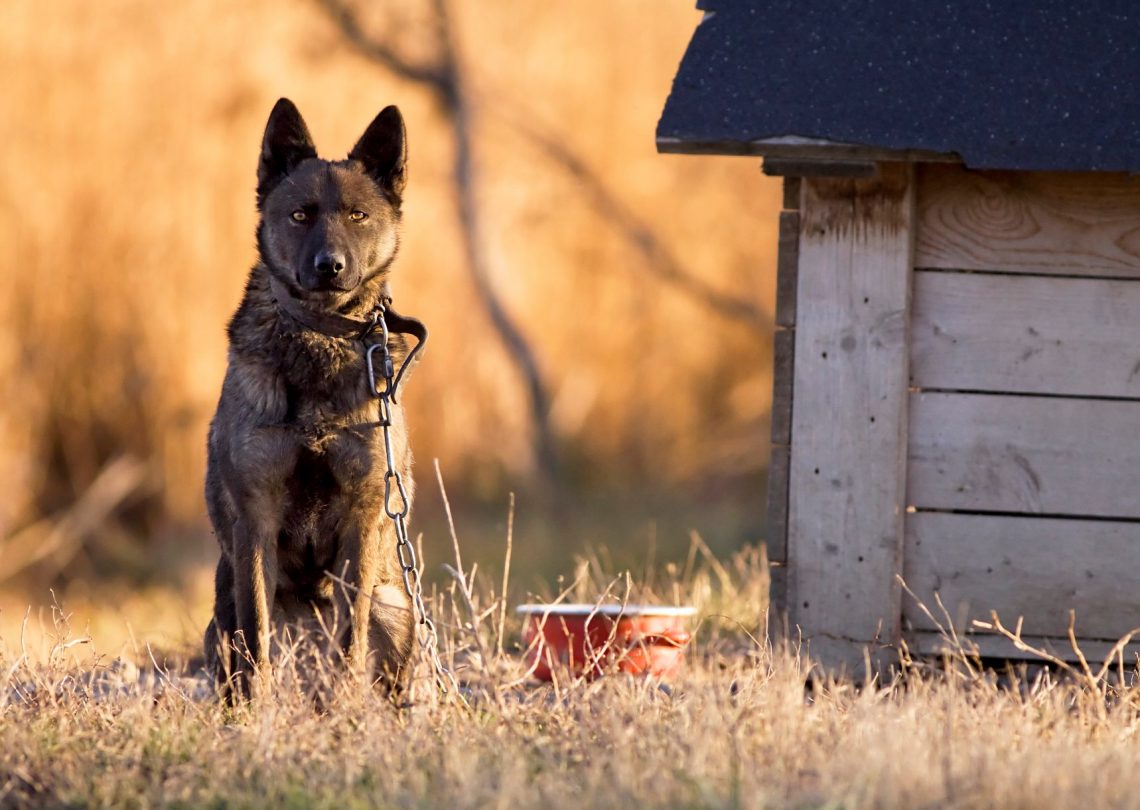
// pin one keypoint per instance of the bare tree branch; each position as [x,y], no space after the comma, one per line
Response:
[379,51]
[659,259]
[444,80]
[465,184]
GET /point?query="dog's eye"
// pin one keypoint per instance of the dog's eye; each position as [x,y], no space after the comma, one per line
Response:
[358,216]
[299,216]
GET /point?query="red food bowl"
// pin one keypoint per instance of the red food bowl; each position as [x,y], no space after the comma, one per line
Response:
[590,639]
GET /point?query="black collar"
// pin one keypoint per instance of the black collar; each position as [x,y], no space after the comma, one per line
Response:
[335,325]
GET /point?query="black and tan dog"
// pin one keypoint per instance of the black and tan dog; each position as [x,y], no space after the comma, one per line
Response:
[295,479]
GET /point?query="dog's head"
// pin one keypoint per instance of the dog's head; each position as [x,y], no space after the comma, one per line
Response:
[328,228]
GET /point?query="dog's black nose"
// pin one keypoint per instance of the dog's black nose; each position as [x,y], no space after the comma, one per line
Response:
[329,264]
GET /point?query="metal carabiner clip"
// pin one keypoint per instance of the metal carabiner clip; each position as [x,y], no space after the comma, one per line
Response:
[388,372]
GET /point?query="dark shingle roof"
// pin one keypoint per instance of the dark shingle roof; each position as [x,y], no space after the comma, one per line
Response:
[1014,84]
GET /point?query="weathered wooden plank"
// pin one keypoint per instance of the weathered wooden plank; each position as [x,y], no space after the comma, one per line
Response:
[783,381]
[1028,222]
[983,332]
[796,147]
[787,268]
[990,646]
[1046,455]
[847,471]
[1035,568]
[791,194]
[777,517]
[808,167]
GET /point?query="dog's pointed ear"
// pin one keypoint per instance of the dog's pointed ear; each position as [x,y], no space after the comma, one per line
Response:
[383,149]
[286,143]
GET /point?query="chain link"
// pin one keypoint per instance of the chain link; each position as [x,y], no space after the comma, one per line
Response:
[426,635]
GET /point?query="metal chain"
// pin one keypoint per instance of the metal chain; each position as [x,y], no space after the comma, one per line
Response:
[426,634]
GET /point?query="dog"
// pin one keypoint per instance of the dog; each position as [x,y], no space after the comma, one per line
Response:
[295,482]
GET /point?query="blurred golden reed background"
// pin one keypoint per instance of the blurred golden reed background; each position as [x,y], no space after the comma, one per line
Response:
[131,133]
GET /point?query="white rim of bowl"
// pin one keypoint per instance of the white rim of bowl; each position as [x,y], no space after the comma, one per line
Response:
[608,609]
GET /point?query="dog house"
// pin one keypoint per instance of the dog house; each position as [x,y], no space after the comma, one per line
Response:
[957,388]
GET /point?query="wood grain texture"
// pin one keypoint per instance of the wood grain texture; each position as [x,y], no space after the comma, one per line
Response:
[846,481]
[1034,334]
[1036,568]
[997,453]
[1028,222]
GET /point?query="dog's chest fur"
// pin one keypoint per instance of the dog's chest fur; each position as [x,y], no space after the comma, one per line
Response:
[313,384]
[326,387]
[312,390]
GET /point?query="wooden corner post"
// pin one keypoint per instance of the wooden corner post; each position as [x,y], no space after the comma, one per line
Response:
[847,470]
[783,368]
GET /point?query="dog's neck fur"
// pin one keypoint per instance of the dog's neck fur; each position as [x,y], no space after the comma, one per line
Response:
[327,322]
[260,309]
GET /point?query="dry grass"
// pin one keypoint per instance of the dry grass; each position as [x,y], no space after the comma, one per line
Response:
[745,726]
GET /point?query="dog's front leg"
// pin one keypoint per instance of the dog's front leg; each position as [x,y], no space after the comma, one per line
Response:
[360,567]
[219,641]
[255,586]
[254,469]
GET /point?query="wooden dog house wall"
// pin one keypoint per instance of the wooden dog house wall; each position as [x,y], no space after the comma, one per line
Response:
[958,382]
[957,397]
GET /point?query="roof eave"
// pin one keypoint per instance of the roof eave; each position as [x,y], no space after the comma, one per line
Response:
[798,147]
